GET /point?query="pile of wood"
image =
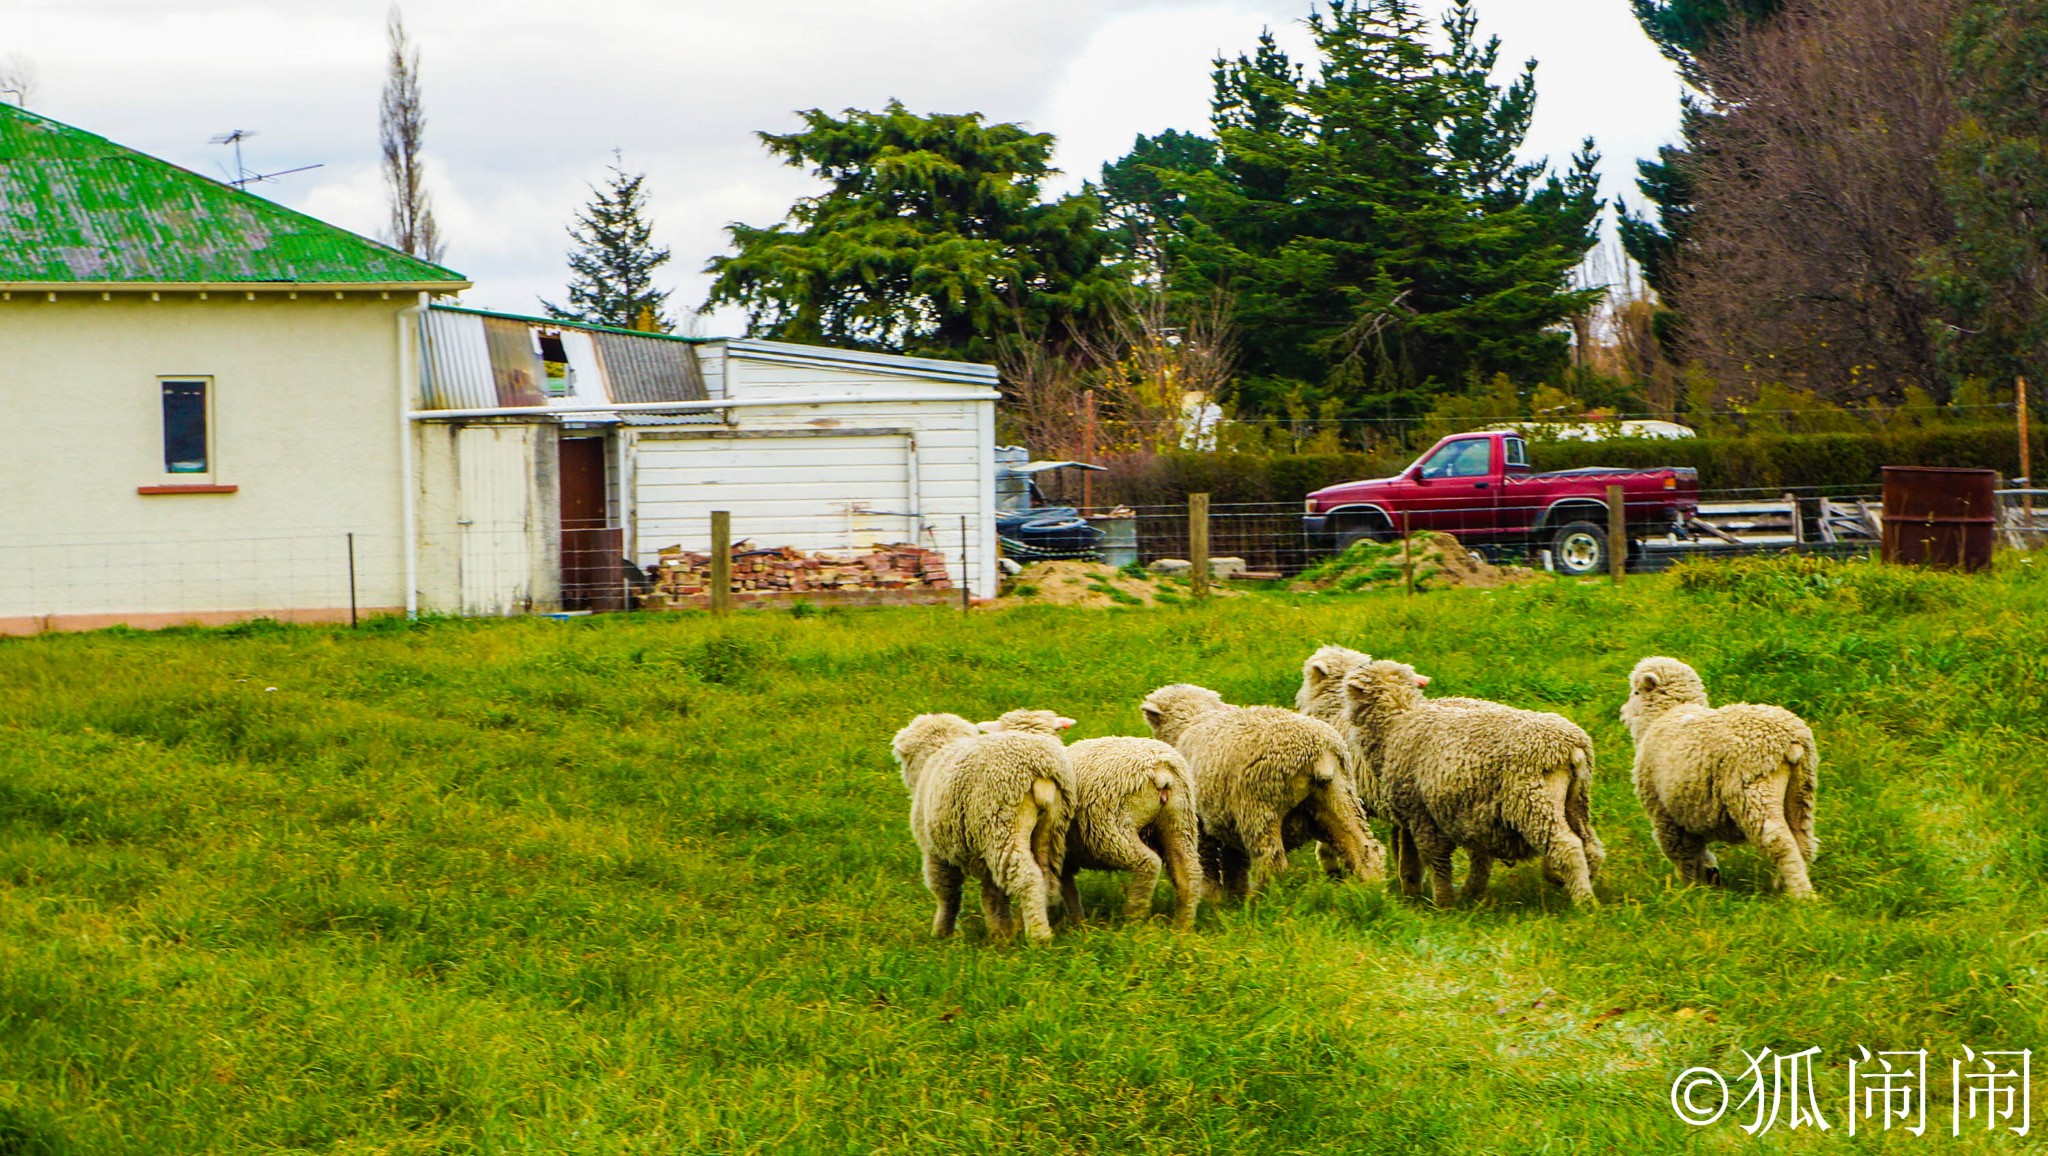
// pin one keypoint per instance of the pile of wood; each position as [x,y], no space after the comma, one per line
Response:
[684,576]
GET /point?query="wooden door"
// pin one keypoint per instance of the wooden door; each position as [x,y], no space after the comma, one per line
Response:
[593,561]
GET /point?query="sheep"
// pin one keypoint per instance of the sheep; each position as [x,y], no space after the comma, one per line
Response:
[994,806]
[1740,772]
[1134,806]
[1502,783]
[1266,780]
[1322,696]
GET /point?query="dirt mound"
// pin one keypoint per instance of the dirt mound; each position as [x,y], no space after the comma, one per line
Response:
[1439,562]
[1092,584]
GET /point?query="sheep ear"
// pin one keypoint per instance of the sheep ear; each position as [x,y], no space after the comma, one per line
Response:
[1065,723]
[990,727]
[1152,713]
[1646,681]
[1422,680]
[1319,667]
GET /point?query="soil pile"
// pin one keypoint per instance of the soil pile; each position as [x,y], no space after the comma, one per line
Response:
[1439,561]
[1093,584]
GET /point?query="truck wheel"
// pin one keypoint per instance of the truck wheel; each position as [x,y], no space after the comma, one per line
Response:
[1373,531]
[1579,548]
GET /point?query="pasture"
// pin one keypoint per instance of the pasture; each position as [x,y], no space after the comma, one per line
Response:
[644,884]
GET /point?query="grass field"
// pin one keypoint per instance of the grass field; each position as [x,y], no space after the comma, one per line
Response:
[636,884]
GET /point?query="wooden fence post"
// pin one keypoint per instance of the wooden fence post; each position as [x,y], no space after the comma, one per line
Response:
[1198,544]
[2019,404]
[1617,533]
[1407,562]
[721,561]
[966,592]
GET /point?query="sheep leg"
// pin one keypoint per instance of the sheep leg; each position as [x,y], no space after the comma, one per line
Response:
[1409,860]
[1330,859]
[1564,853]
[1070,896]
[1687,851]
[1138,892]
[1185,872]
[1347,829]
[1477,875]
[944,881]
[1763,821]
[1435,848]
[995,908]
[1267,848]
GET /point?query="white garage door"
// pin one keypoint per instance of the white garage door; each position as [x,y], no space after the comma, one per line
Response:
[813,493]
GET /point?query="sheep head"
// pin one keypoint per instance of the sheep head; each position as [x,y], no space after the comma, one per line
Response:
[1324,671]
[926,735]
[1037,722]
[1656,685]
[1170,709]
[1378,691]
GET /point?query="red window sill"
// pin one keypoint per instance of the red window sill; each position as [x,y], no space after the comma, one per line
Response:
[186,489]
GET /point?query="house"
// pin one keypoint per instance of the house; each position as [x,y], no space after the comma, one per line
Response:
[204,395]
[221,409]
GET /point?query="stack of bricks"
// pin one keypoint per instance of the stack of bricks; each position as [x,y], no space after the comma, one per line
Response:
[683,576]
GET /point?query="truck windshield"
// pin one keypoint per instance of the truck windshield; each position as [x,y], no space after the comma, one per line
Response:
[1466,459]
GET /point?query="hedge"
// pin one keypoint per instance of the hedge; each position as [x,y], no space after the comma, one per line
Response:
[1754,461]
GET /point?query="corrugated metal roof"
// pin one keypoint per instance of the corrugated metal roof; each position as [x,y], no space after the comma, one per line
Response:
[641,370]
[458,362]
[77,208]
[515,367]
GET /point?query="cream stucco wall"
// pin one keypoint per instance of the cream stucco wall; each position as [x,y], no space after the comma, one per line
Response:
[305,405]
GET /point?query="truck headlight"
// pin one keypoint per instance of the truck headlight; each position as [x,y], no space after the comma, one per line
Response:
[1309,506]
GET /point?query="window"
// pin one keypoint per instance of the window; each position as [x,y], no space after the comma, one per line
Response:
[1465,459]
[554,362]
[1517,452]
[185,441]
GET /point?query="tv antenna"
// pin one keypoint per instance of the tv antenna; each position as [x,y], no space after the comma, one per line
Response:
[242,177]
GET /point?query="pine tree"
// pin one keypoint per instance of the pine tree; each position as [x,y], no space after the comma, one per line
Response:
[931,239]
[615,258]
[1381,239]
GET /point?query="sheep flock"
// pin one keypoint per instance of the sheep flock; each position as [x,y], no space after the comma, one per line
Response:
[1219,793]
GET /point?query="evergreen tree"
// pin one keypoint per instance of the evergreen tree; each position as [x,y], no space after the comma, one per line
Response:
[1686,31]
[615,258]
[931,239]
[1381,240]
[1144,214]
[1992,278]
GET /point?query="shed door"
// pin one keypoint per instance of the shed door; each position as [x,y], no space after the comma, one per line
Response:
[495,471]
[813,493]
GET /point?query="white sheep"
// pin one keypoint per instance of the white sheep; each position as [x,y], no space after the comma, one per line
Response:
[1134,809]
[1743,772]
[994,806]
[1504,784]
[1322,696]
[1266,780]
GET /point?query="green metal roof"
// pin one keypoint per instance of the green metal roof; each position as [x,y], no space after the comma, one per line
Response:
[78,209]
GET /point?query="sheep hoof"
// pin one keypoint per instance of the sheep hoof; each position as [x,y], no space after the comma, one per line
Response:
[1711,876]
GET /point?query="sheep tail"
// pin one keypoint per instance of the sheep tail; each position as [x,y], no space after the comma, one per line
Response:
[1329,765]
[1045,793]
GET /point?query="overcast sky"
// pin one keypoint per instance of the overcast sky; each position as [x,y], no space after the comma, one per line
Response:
[526,99]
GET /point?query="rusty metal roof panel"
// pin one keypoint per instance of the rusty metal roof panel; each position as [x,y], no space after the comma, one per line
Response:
[515,367]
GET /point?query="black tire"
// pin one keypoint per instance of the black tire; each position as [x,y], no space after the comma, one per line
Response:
[1579,549]
[1375,530]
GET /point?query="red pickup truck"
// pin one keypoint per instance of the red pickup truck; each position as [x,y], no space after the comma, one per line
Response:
[1479,488]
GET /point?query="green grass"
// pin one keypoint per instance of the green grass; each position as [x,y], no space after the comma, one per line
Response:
[644,884]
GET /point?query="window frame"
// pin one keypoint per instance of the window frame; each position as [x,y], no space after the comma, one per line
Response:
[209,446]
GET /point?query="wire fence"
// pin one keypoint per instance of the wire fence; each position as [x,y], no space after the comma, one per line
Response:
[860,554]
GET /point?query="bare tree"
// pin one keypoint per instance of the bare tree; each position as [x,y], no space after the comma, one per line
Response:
[1817,201]
[18,79]
[402,127]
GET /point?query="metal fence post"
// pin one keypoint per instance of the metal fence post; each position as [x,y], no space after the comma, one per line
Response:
[1407,563]
[1617,533]
[351,578]
[966,592]
[721,561]
[1198,545]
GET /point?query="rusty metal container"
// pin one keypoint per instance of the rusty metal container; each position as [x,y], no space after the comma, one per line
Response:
[1935,516]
